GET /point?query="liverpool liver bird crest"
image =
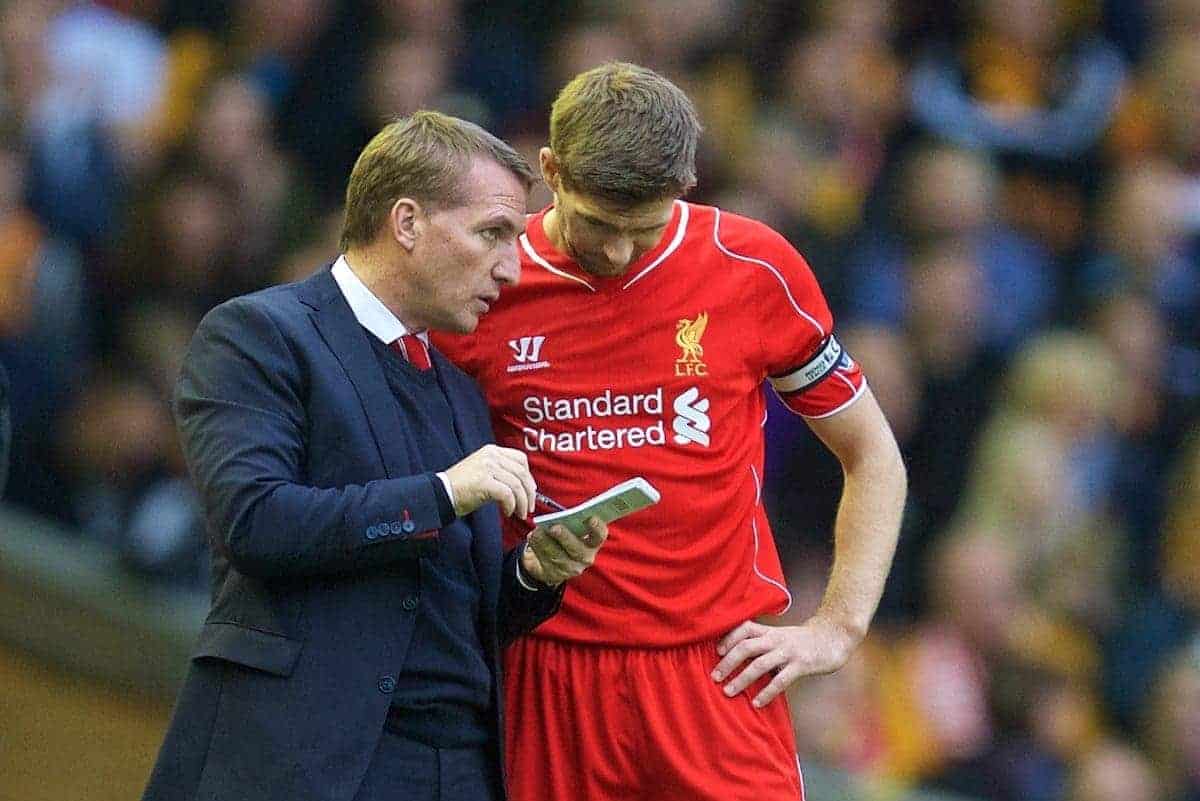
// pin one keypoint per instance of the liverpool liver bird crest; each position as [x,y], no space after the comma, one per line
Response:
[687,337]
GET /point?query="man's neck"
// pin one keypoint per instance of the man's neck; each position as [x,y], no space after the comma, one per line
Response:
[378,278]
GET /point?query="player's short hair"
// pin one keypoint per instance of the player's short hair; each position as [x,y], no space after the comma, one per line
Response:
[625,134]
[423,157]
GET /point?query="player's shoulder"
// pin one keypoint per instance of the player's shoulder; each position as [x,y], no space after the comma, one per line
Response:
[735,235]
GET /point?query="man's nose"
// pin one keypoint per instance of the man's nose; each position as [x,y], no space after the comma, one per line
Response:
[619,252]
[508,269]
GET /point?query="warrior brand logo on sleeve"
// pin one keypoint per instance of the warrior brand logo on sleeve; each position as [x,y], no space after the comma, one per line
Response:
[687,337]
[527,354]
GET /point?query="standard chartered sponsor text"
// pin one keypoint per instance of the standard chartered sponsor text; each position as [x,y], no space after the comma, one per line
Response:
[541,409]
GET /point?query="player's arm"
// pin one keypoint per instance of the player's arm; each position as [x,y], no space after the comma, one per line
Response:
[865,534]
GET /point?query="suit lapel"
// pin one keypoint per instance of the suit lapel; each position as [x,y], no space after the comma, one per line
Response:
[345,337]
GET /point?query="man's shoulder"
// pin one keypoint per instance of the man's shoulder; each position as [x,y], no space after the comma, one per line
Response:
[280,302]
[736,235]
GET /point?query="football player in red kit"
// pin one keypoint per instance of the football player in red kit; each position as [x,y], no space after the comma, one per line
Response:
[637,343]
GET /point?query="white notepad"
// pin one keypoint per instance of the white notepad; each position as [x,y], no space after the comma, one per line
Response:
[612,504]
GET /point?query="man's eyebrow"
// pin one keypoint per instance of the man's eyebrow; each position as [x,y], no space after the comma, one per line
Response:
[505,221]
[501,221]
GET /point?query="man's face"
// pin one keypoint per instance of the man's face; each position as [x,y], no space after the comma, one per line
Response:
[603,238]
[464,254]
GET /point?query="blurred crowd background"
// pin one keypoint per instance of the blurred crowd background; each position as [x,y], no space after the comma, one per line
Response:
[1000,197]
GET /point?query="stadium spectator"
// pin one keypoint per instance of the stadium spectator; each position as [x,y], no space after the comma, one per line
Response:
[1114,772]
[1026,81]
[1166,616]
[1171,724]
[949,195]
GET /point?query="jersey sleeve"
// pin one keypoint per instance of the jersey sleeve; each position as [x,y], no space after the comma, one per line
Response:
[807,366]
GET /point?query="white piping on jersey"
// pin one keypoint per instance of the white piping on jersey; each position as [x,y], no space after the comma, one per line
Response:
[767,265]
[800,773]
[545,264]
[754,528]
[679,232]
[857,394]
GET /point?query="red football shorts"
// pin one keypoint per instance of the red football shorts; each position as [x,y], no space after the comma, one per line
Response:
[593,723]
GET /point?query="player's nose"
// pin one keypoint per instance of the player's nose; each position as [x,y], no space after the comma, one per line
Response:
[619,252]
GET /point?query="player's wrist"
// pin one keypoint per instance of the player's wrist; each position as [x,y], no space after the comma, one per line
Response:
[844,634]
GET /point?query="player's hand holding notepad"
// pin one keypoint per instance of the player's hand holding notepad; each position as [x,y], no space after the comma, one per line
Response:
[612,504]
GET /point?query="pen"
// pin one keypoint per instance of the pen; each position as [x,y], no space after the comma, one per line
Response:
[548,501]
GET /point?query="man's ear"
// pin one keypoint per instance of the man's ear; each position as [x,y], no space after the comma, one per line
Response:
[549,164]
[404,222]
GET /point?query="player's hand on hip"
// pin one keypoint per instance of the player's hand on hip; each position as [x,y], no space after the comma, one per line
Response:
[791,652]
[553,555]
[496,474]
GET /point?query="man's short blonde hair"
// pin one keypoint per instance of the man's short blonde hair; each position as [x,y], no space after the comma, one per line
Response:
[625,134]
[423,157]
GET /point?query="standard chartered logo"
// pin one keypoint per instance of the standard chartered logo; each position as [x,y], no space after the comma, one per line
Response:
[691,422]
[612,421]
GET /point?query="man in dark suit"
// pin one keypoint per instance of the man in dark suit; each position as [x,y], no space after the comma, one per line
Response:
[360,593]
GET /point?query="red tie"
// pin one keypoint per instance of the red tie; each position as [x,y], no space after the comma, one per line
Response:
[413,350]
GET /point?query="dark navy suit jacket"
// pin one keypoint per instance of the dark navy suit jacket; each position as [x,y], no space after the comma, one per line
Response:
[317,522]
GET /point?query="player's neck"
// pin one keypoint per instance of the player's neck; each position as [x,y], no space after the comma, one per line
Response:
[552,228]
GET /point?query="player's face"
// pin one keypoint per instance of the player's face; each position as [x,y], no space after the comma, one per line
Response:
[604,239]
[465,254]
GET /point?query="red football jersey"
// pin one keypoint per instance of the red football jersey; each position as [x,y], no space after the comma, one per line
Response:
[659,373]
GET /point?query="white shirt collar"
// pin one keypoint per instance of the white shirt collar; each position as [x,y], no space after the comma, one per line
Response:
[368,309]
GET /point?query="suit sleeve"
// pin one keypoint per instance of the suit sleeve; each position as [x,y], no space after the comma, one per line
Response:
[242,421]
[522,610]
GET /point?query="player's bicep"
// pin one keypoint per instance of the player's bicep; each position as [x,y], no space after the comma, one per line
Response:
[855,432]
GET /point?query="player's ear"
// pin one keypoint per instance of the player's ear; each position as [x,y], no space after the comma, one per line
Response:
[404,222]
[549,164]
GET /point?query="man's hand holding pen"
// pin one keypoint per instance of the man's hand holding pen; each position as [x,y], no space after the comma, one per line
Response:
[493,473]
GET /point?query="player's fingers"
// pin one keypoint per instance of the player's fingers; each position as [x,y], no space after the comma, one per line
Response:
[746,649]
[747,629]
[754,671]
[783,679]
